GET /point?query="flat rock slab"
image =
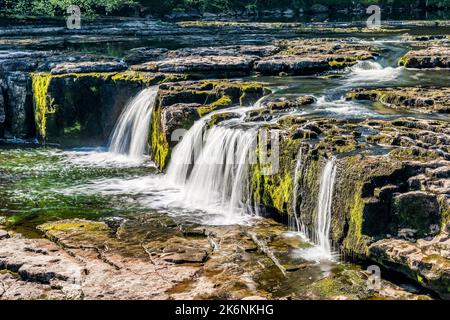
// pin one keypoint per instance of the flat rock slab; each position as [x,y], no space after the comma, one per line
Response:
[199,64]
[299,57]
[88,66]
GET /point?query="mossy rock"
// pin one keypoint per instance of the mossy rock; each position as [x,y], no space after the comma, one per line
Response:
[81,109]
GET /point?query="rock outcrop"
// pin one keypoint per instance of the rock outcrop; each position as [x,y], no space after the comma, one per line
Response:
[433,57]
[158,258]
[416,99]
[300,57]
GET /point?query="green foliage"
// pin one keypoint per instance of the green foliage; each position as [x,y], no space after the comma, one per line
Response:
[59,7]
[160,8]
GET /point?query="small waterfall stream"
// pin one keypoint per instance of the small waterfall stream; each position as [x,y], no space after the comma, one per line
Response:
[131,131]
[213,166]
[324,202]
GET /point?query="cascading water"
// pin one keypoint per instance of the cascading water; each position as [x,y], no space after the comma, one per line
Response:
[213,167]
[130,133]
[323,219]
[186,152]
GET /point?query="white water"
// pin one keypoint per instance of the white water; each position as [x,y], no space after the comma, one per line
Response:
[130,133]
[371,71]
[186,152]
[342,107]
[324,202]
[212,168]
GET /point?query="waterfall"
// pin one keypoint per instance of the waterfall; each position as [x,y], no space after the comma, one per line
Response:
[186,152]
[131,131]
[213,168]
[323,219]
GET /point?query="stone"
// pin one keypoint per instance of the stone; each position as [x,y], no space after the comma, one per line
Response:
[423,261]
[235,50]
[433,57]
[201,64]
[286,103]
[303,57]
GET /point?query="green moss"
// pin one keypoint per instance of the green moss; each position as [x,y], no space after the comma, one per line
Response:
[404,61]
[75,129]
[159,143]
[224,102]
[66,225]
[418,154]
[355,242]
[43,103]
[343,62]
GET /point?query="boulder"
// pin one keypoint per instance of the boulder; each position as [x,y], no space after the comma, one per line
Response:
[434,57]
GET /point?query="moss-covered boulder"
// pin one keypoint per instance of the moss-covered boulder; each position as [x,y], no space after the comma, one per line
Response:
[179,105]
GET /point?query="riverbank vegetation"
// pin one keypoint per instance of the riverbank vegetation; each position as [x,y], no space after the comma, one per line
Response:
[160,8]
